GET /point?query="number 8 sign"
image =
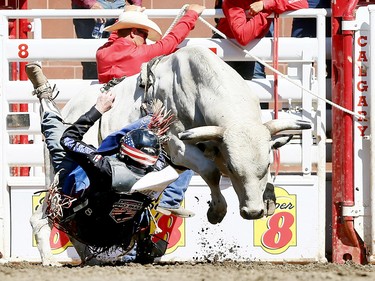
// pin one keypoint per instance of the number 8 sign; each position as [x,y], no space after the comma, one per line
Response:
[277,233]
[23,51]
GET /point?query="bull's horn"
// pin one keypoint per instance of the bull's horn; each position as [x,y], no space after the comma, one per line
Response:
[202,133]
[278,125]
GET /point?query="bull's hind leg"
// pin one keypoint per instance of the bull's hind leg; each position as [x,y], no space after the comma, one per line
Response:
[191,157]
[42,231]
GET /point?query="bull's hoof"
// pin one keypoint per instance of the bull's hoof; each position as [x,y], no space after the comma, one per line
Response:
[269,199]
[269,207]
[215,217]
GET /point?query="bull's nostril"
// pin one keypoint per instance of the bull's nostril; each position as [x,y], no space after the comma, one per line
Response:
[251,215]
[261,214]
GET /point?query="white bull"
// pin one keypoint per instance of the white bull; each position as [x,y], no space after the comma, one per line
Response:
[219,128]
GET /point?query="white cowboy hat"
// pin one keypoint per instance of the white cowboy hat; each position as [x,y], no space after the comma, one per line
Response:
[134,19]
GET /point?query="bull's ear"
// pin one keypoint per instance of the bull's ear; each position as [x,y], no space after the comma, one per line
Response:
[209,149]
[279,140]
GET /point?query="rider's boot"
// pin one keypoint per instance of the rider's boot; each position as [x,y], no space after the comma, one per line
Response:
[178,212]
[42,89]
[146,250]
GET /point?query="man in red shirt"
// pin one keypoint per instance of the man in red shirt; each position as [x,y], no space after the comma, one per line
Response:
[126,49]
[246,20]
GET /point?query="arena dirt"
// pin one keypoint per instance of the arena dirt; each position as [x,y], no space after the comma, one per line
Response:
[226,271]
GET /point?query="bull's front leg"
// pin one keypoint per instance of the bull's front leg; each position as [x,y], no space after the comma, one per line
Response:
[191,157]
[42,231]
[218,205]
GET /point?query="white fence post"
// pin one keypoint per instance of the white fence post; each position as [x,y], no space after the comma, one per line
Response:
[4,168]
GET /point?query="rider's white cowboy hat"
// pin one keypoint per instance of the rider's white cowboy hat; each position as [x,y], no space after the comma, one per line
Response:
[135,19]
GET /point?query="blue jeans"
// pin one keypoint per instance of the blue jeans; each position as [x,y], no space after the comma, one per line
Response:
[52,128]
[84,27]
[173,195]
[259,70]
[307,27]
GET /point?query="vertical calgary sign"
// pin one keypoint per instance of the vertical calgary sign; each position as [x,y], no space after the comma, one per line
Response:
[361,103]
[361,83]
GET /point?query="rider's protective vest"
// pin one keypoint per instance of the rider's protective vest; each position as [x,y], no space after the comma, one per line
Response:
[122,178]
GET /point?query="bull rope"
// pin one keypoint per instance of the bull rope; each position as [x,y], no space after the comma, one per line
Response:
[276,152]
[177,18]
[234,43]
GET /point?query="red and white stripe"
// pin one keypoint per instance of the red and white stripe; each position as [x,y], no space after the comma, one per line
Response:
[138,155]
